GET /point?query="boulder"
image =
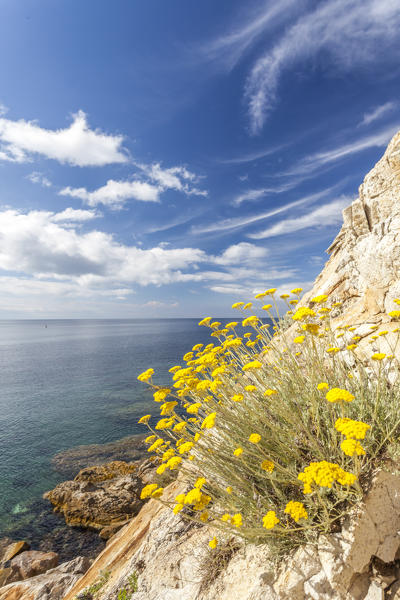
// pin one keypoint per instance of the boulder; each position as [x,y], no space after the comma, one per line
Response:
[12,549]
[99,496]
[34,562]
[52,585]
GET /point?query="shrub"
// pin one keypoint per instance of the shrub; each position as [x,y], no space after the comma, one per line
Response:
[276,428]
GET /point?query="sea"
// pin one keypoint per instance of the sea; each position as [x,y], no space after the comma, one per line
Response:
[68,383]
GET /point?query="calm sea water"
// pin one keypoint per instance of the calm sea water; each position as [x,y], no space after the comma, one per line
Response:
[65,383]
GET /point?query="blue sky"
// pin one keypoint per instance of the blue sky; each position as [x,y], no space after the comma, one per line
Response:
[168,158]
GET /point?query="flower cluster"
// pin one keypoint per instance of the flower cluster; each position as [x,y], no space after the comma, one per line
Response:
[265,416]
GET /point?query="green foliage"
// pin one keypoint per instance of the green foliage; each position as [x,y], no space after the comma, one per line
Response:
[90,592]
[131,587]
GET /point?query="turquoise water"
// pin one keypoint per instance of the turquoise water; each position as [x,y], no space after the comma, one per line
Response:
[65,383]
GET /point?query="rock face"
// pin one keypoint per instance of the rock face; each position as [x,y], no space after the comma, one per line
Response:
[52,585]
[100,496]
[363,271]
[169,558]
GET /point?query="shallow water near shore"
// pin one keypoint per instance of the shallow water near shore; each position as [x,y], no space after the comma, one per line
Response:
[67,383]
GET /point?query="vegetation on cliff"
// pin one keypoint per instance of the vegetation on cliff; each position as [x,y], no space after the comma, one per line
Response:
[277,429]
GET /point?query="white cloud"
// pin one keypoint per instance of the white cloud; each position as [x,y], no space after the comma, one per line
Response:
[115,193]
[76,145]
[174,178]
[315,161]
[325,215]
[349,32]
[241,254]
[227,49]
[36,177]
[239,222]
[378,112]
[249,195]
[3,109]
[74,215]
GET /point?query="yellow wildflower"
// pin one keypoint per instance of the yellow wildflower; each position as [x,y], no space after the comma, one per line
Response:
[204,516]
[320,299]
[193,496]
[296,290]
[254,364]
[193,409]
[299,339]
[324,474]
[206,321]
[270,292]
[302,313]
[258,296]
[237,397]
[226,517]
[180,426]
[177,508]
[238,451]
[144,419]
[339,395]
[247,306]
[200,482]
[213,543]
[149,439]
[270,520]
[164,424]
[267,307]
[173,462]
[254,438]
[146,375]
[395,314]
[237,305]
[186,447]
[378,356]
[229,489]
[284,296]
[351,447]
[158,493]
[253,320]
[209,421]
[160,470]
[322,386]
[312,328]
[267,465]
[156,445]
[352,429]
[351,346]
[236,520]
[333,350]
[167,407]
[296,510]
[270,392]
[250,388]
[148,490]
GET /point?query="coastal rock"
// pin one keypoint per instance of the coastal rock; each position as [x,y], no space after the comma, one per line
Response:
[170,558]
[52,585]
[99,496]
[11,549]
[34,562]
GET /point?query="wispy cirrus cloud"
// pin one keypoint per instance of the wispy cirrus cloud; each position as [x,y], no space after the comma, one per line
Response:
[378,112]
[76,145]
[243,221]
[350,33]
[177,178]
[325,215]
[318,160]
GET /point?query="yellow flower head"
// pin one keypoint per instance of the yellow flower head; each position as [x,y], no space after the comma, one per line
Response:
[253,320]
[267,307]
[250,388]
[296,510]
[206,321]
[352,429]
[247,306]
[322,386]
[193,409]
[213,543]
[255,364]
[351,346]
[339,395]
[284,296]
[146,375]
[157,493]
[144,419]
[312,328]
[236,520]
[258,296]
[333,350]
[254,438]
[302,313]
[270,520]
[177,508]
[351,447]
[226,517]
[229,490]
[238,305]
[200,482]
[168,407]
[193,496]
[296,290]
[156,445]
[149,439]
[180,426]
[164,424]
[148,490]
[270,292]
[238,451]
[378,356]
[267,465]
[270,392]
[160,470]
[237,397]
[186,447]
[209,421]
[174,462]
[320,299]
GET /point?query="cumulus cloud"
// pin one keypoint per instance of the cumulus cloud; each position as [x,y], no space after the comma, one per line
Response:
[350,33]
[325,215]
[115,193]
[241,254]
[378,112]
[77,145]
[39,178]
[74,215]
